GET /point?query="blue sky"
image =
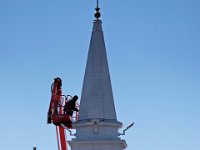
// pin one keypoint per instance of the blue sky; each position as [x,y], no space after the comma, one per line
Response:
[153,51]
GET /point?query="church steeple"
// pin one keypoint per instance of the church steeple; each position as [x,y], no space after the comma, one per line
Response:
[97,97]
[97,126]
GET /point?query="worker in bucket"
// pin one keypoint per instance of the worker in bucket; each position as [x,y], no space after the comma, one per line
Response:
[70,106]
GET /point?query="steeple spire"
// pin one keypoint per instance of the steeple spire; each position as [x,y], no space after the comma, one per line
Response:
[97,97]
[97,14]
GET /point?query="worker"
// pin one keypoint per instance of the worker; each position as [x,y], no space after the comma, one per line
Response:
[70,106]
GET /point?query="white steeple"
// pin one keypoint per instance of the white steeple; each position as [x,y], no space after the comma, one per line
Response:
[97,126]
[97,98]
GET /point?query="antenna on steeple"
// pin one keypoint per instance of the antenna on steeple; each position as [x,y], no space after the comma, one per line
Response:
[97,13]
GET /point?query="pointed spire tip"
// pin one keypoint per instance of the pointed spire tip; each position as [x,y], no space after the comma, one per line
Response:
[97,14]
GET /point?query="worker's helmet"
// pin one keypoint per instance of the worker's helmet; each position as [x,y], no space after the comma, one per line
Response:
[75,97]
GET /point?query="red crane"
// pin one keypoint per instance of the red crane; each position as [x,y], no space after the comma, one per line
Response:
[57,116]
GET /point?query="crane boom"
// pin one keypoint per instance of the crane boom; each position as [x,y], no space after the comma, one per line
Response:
[61,119]
[55,108]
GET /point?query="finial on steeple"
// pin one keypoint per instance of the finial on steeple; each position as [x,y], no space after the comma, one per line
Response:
[97,13]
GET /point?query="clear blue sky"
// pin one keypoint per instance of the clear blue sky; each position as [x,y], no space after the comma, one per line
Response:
[153,51]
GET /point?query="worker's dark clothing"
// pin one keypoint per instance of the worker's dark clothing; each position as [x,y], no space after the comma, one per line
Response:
[70,106]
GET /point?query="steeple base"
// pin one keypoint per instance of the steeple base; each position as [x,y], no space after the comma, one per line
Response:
[97,134]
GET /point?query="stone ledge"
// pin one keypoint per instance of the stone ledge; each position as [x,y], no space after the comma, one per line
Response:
[74,141]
